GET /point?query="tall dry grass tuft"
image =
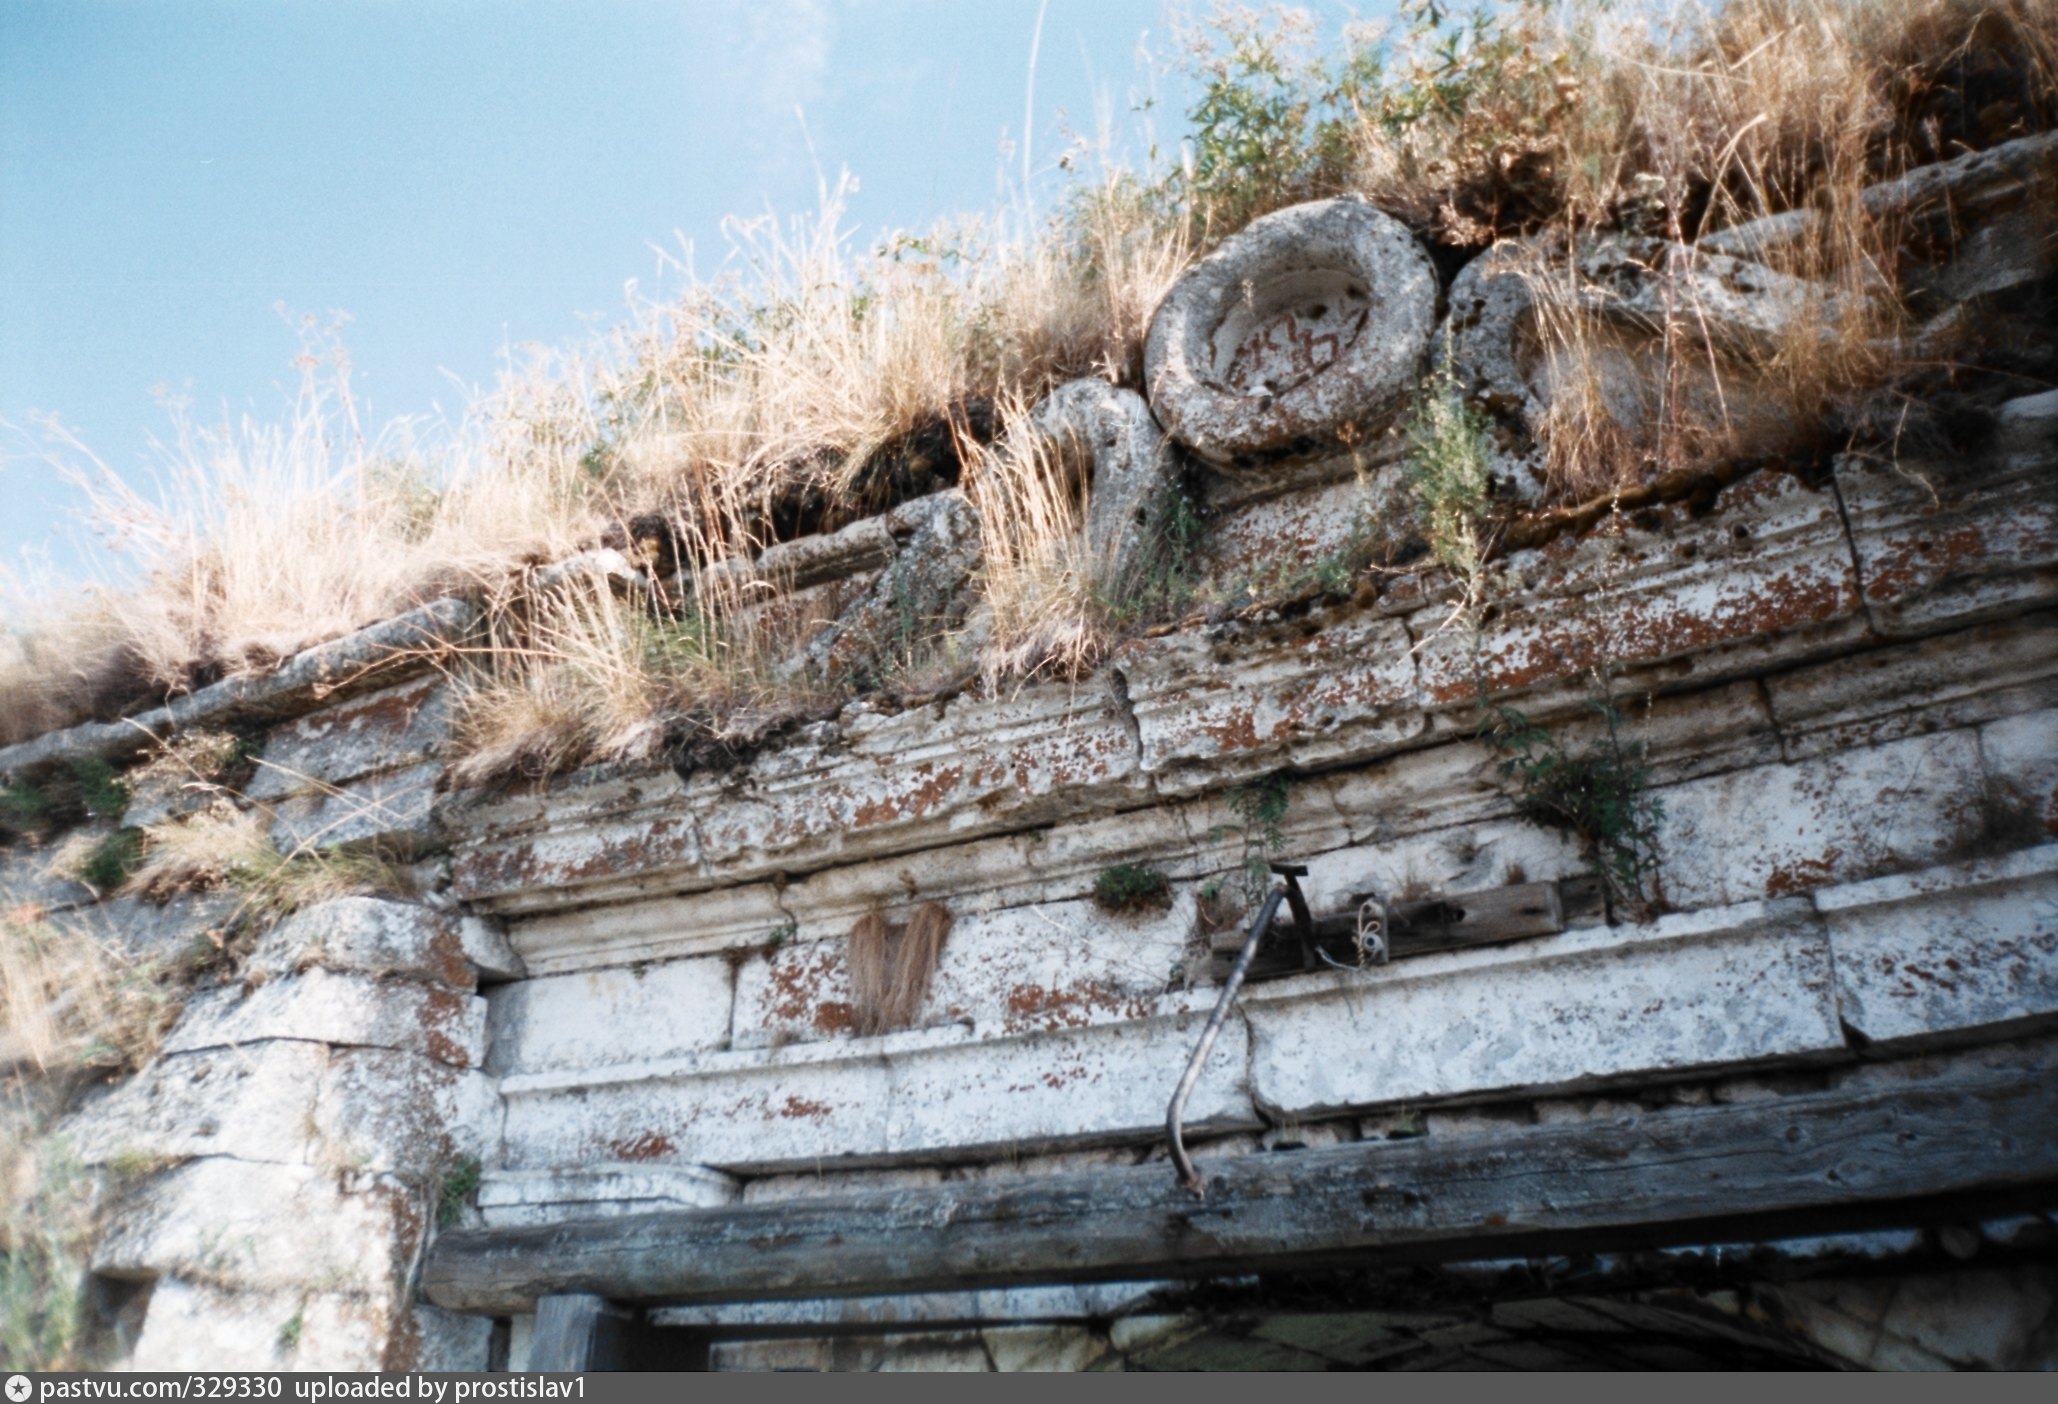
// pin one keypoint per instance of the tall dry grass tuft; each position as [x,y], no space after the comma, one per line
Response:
[891,966]
[1045,607]
[73,998]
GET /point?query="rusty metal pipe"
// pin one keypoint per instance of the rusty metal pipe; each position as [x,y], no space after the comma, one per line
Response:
[1175,1115]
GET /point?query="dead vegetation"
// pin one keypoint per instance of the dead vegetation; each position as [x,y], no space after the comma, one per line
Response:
[890,966]
[819,381]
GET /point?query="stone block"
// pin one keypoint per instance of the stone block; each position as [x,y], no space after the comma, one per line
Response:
[387,730]
[920,1095]
[402,1114]
[2020,754]
[196,1326]
[1053,965]
[869,785]
[322,1006]
[1021,1349]
[1937,953]
[1292,697]
[367,936]
[1959,679]
[445,1342]
[1582,1009]
[516,1197]
[272,1228]
[1956,541]
[600,1018]
[254,1103]
[1766,576]
[392,808]
[1776,830]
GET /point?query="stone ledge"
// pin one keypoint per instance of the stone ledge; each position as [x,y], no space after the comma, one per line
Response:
[373,657]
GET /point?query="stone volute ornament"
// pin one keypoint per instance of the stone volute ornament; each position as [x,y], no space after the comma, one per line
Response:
[1300,333]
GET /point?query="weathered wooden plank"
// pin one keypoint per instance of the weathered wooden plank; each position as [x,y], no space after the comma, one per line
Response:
[1816,1163]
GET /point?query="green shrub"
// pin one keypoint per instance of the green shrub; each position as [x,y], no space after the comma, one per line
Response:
[108,866]
[1131,887]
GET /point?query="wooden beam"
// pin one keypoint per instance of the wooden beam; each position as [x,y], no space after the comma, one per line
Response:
[1815,1163]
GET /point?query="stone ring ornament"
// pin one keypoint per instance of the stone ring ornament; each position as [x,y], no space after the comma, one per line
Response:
[1299,334]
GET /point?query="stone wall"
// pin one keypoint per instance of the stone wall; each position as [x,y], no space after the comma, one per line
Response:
[627,989]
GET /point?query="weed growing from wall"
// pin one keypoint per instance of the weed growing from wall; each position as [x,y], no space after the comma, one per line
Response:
[1602,794]
[1259,808]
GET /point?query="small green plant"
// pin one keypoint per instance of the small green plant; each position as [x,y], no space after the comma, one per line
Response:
[289,1334]
[1450,461]
[786,930]
[101,788]
[460,1183]
[1602,795]
[1259,807]
[43,1307]
[1132,887]
[108,866]
[22,805]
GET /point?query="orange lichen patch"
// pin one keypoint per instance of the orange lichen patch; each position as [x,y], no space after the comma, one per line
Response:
[442,1011]
[1803,874]
[930,787]
[1582,635]
[448,962]
[1033,1008]
[530,865]
[649,1145]
[797,984]
[1909,563]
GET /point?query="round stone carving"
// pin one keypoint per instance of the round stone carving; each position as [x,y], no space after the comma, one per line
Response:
[1300,333]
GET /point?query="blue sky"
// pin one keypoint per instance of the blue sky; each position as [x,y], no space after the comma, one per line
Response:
[462,176]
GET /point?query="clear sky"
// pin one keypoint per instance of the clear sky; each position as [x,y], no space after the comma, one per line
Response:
[462,176]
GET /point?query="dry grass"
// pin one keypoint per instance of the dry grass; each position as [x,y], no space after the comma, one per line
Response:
[72,997]
[1675,122]
[818,380]
[891,966]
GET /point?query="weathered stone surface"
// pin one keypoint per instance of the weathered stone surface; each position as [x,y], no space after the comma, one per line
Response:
[195,1326]
[1292,697]
[872,783]
[1133,470]
[1935,953]
[231,1223]
[326,1007]
[1948,543]
[599,1191]
[385,1112]
[1777,830]
[252,1103]
[375,656]
[923,591]
[1628,291]
[444,1342]
[920,1094]
[1056,965]
[368,936]
[1055,864]
[1279,544]
[1735,985]
[485,944]
[1016,1349]
[2021,758]
[1302,331]
[1729,590]
[387,730]
[1957,679]
[601,1018]
[393,808]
